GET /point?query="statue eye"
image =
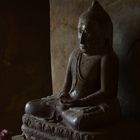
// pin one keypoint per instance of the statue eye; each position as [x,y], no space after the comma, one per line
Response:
[87,34]
[81,28]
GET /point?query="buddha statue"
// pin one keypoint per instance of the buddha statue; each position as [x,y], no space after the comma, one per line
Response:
[89,96]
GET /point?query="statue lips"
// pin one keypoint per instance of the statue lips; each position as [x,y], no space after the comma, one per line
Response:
[83,48]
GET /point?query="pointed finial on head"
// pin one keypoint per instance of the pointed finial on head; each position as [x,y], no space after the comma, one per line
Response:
[93,2]
[96,13]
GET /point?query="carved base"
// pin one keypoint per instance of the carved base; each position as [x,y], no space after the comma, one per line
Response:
[43,130]
[39,129]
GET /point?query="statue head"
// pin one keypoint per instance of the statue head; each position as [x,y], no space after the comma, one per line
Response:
[95,30]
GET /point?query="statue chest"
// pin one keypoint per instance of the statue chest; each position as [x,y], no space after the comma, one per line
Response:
[85,76]
[89,67]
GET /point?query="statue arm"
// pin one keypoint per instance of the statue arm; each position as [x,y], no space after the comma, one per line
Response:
[109,80]
[68,78]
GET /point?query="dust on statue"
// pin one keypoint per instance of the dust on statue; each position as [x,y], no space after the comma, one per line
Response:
[89,96]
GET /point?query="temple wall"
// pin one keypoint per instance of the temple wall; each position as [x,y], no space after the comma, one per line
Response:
[125,15]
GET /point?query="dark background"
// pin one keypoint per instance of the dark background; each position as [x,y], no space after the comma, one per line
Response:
[25,71]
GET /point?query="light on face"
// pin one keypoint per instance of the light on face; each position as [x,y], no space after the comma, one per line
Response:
[83,27]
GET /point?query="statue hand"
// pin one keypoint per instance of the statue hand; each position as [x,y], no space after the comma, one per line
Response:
[63,94]
[64,97]
[71,103]
[65,100]
[76,103]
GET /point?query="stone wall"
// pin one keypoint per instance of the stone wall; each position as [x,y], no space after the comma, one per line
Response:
[25,72]
[125,15]
[64,19]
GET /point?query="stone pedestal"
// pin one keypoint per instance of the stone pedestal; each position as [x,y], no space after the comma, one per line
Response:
[39,129]
[18,137]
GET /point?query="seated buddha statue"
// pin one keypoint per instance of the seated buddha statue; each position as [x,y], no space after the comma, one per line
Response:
[89,94]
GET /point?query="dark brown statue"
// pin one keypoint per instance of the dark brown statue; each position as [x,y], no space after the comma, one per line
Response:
[89,96]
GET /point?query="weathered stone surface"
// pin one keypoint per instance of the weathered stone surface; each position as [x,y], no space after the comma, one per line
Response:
[125,16]
[37,129]
[18,137]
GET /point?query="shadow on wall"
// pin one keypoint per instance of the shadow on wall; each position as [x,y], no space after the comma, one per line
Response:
[129,55]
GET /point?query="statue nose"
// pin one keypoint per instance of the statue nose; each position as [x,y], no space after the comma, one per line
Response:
[83,38]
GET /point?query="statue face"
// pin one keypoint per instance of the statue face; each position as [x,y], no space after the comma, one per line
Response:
[91,37]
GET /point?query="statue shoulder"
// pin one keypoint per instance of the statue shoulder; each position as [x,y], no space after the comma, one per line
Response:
[73,56]
[75,53]
[111,58]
